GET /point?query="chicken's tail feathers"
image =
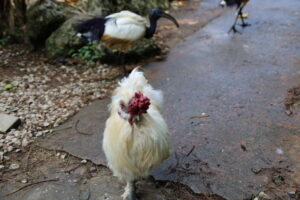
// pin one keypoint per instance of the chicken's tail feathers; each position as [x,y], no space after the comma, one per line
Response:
[91,29]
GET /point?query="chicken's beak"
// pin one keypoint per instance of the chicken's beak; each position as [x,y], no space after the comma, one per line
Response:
[171,18]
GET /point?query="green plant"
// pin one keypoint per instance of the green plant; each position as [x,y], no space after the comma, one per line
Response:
[87,54]
[5,40]
[10,87]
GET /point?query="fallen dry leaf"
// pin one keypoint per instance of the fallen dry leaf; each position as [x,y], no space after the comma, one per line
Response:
[187,21]
[178,3]
[167,27]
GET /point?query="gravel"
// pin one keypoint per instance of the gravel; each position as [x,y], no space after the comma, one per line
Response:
[45,95]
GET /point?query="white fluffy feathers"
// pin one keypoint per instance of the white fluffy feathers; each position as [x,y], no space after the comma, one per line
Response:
[132,151]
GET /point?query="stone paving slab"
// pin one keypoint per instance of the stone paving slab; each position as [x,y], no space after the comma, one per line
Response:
[7,122]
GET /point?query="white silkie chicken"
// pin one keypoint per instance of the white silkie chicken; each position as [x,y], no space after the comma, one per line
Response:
[136,137]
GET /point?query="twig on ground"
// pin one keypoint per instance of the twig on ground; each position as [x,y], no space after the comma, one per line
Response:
[31,184]
[189,153]
[80,132]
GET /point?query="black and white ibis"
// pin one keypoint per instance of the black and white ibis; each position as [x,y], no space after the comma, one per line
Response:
[121,30]
[240,5]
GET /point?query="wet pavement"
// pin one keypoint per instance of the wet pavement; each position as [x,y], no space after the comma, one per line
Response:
[224,104]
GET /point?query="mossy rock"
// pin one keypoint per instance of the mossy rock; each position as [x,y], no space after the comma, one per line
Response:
[64,39]
[44,17]
[137,6]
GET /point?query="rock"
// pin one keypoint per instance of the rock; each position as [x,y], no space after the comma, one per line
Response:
[143,49]
[25,142]
[9,148]
[24,180]
[80,171]
[63,156]
[1,167]
[14,166]
[43,17]
[1,156]
[93,169]
[263,196]
[84,161]
[137,6]
[64,38]
[7,122]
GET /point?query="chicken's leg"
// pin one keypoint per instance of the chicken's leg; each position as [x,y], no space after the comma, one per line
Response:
[129,193]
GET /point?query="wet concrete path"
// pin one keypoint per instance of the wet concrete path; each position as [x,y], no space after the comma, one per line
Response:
[224,103]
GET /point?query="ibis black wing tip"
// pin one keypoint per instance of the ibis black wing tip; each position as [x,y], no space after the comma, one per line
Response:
[91,29]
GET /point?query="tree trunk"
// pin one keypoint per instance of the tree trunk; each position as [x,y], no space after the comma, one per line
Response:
[12,16]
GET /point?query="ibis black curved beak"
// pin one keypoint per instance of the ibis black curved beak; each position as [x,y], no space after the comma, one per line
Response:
[171,18]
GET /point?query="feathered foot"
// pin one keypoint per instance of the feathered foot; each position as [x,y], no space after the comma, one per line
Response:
[129,193]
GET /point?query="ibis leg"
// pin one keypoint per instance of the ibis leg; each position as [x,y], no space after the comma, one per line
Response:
[121,61]
[240,13]
[233,28]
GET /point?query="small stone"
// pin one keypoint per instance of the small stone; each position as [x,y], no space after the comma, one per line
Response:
[80,171]
[1,167]
[263,196]
[17,150]
[1,155]
[46,124]
[93,169]
[14,166]
[84,161]
[279,151]
[25,142]
[6,158]
[63,156]
[10,148]
[24,180]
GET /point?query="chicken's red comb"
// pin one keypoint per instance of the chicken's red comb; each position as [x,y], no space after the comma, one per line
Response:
[139,104]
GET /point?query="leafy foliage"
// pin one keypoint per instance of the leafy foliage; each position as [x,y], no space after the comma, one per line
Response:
[87,54]
[10,87]
[5,40]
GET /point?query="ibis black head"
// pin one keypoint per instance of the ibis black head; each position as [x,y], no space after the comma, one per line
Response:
[156,13]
